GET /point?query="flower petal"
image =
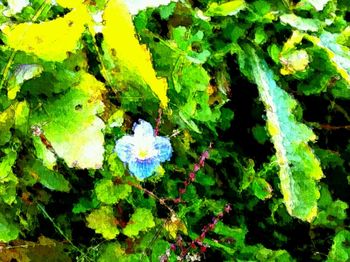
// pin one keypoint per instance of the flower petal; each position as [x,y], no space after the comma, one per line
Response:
[124,148]
[143,168]
[162,144]
[143,129]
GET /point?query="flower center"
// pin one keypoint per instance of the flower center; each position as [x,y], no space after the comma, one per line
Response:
[143,153]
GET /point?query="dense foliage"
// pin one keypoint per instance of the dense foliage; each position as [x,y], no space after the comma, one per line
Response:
[253,96]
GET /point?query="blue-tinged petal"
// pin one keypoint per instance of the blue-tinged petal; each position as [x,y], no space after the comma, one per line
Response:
[143,168]
[162,144]
[143,129]
[124,148]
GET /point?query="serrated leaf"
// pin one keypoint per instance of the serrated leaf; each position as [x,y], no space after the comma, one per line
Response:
[299,168]
[110,193]
[8,230]
[128,53]
[70,124]
[48,40]
[102,220]
[141,220]
[340,250]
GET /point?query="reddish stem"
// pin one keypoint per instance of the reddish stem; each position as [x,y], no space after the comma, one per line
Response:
[209,227]
[158,121]
[192,175]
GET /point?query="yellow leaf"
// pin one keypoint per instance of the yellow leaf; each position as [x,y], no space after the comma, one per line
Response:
[69,3]
[121,43]
[49,40]
[174,225]
[294,61]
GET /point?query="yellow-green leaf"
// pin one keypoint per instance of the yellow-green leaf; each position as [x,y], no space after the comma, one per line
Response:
[102,220]
[70,124]
[225,9]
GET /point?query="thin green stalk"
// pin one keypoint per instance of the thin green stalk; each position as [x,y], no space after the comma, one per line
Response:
[59,230]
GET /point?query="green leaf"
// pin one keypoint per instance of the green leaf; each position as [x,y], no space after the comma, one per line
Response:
[6,122]
[166,11]
[85,204]
[261,254]
[21,117]
[261,188]
[299,168]
[102,220]
[8,180]
[331,213]
[260,134]
[339,55]
[48,178]
[110,193]
[274,52]
[116,167]
[112,252]
[8,230]
[340,250]
[141,220]
[71,126]
[318,4]
[185,39]
[303,24]
[235,234]
[159,248]
[204,179]
[21,74]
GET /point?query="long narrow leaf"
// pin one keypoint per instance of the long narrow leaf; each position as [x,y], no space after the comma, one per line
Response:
[299,168]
